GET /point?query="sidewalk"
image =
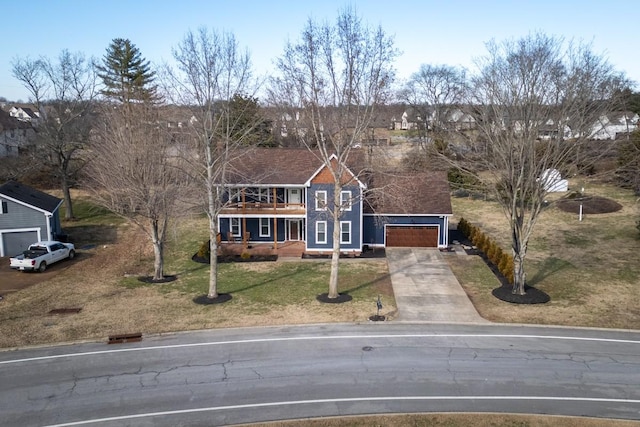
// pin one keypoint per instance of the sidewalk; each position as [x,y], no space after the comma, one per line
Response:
[425,288]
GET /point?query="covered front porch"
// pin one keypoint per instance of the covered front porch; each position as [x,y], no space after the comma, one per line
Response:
[288,249]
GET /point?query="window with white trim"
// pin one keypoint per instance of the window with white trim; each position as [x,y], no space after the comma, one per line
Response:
[345,232]
[345,200]
[3,207]
[235,226]
[321,200]
[265,227]
[321,232]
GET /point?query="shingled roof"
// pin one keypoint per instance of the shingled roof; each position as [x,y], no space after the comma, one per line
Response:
[425,193]
[279,166]
[30,196]
[392,194]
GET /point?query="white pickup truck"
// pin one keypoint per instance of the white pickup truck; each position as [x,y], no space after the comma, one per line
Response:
[41,254]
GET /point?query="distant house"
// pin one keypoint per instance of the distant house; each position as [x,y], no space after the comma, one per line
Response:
[282,195]
[24,114]
[26,216]
[14,135]
[612,125]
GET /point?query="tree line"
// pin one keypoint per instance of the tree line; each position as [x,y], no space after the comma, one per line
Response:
[103,122]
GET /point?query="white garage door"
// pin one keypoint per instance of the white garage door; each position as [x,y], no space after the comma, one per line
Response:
[15,243]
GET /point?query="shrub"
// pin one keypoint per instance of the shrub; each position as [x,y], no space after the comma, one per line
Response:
[245,255]
[204,250]
[506,267]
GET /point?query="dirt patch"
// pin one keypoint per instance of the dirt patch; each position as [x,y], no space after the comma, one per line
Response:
[14,280]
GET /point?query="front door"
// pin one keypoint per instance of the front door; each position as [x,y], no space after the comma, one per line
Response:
[294,230]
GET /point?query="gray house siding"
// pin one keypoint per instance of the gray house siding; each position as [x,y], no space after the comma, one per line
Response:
[373,226]
[353,217]
[17,224]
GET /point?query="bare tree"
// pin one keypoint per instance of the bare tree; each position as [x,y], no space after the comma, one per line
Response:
[334,76]
[211,70]
[63,92]
[134,174]
[436,93]
[534,101]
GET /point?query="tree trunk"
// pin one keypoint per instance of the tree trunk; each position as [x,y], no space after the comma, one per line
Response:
[518,275]
[335,256]
[213,270]
[67,197]
[519,252]
[158,253]
[213,225]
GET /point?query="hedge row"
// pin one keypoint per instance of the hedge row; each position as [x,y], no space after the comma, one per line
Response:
[494,253]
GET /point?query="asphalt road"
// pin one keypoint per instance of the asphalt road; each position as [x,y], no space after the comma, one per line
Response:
[232,376]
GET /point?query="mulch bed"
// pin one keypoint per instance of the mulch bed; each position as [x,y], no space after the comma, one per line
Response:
[532,295]
[366,253]
[505,291]
[591,205]
[338,300]
[236,258]
[150,279]
[205,300]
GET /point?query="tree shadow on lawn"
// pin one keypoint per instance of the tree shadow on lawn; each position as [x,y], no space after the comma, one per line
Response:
[83,236]
[548,268]
[369,283]
[292,274]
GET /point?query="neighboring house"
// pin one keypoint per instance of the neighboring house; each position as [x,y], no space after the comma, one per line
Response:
[612,125]
[26,216]
[281,195]
[24,114]
[14,135]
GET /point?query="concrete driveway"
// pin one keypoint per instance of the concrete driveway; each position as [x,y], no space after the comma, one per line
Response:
[426,289]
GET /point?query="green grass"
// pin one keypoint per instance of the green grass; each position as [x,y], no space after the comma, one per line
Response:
[88,213]
[271,283]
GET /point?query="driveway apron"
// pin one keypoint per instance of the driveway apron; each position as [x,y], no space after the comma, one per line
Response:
[426,289]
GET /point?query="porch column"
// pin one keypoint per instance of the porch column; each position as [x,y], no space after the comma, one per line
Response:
[275,219]
[245,242]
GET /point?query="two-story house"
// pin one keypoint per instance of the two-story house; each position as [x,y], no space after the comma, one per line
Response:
[281,195]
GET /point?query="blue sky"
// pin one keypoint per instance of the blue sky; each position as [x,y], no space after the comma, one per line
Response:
[426,31]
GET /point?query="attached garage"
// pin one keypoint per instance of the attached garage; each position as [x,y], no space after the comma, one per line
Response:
[13,243]
[411,236]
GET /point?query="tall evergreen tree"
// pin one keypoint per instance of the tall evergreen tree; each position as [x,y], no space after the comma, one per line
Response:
[126,75]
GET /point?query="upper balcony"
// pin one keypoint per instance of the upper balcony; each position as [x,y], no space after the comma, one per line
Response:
[262,208]
[265,201]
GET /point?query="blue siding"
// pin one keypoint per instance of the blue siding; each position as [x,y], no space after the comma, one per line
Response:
[373,226]
[353,216]
[253,227]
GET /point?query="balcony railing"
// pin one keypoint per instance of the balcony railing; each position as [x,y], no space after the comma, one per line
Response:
[265,208]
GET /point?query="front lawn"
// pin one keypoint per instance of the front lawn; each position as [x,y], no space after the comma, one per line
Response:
[103,283]
[589,268]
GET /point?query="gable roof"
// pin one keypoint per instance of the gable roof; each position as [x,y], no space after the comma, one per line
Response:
[30,196]
[275,166]
[8,122]
[424,193]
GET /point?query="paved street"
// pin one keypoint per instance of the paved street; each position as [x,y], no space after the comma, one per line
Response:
[230,376]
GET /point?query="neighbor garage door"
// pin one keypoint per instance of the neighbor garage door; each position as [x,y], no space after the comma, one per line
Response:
[412,236]
[15,243]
